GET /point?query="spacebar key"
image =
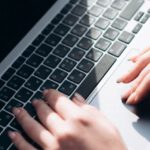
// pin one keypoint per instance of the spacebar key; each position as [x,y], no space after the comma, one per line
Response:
[96,75]
[131,9]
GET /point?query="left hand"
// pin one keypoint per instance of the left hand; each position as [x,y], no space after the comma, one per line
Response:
[66,125]
[140,76]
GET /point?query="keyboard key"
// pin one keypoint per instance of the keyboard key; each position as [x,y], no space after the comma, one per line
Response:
[73,1]
[18,62]
[139,15]
[52,61]
[8,74]
[67,88]
[79,30]
[102,23]
[94,55]
[68,7]
[23,94]
[1,83]
[76,54]
[87,3]
[145,18]
[25,71]
[15,82]
[33,83]
[85,65]
[70,40]
[37,95]
[103,3]
[34,60]
[78,10]
[44,50]
[5,140]
[61,50]
[5,118]
[43,72]
[62,29]
[87,20]
[119,24]
[53,40]
[67,64]
[96,11]
[118,4]
[76,76]
[2,104]
[70,20]
[111,34]
[137,28]
[58,75]
[126,37]
[6,93]
[30,109]
[28,51]
[48,29]
[95,76]
[131,9]
[49,85]
[103,44]
[57,19]
[16,125]
[38,40]
[110,13]
[13,103]
[117,48]
[94,33]
[85,43]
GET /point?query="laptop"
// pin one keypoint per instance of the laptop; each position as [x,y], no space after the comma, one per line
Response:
[72,46]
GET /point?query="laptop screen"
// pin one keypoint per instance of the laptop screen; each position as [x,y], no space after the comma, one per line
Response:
[17,18]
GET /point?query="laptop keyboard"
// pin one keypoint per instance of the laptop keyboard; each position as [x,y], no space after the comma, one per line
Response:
[72,54]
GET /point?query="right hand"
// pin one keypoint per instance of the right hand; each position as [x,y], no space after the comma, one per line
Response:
[140,76]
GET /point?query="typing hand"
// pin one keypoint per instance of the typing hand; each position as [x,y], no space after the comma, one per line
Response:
[66,125]
[140,76]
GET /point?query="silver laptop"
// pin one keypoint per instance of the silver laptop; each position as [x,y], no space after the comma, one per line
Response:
[73,46]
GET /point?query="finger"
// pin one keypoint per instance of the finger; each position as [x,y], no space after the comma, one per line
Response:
[135,71]
[136,83]
[48,117]
[80,101]
[140,92]
[33,129]
[20,142]
[61,104]
[136,57]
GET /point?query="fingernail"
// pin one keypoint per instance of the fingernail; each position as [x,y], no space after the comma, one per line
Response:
[131,99]
[129,59]
[35,101]
[11,134]
[16,111]
[119,80]
[79,97]
[45,91]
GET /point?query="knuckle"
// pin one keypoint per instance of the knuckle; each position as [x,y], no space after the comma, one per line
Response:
[65,134]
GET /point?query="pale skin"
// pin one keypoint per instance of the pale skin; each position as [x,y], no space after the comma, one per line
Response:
[140,76]
[76,125]
[66,125]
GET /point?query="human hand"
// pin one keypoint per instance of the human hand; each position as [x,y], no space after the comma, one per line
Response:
[140,76]
[66,125]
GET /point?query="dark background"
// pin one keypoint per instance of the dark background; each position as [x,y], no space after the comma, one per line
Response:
[17,17]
